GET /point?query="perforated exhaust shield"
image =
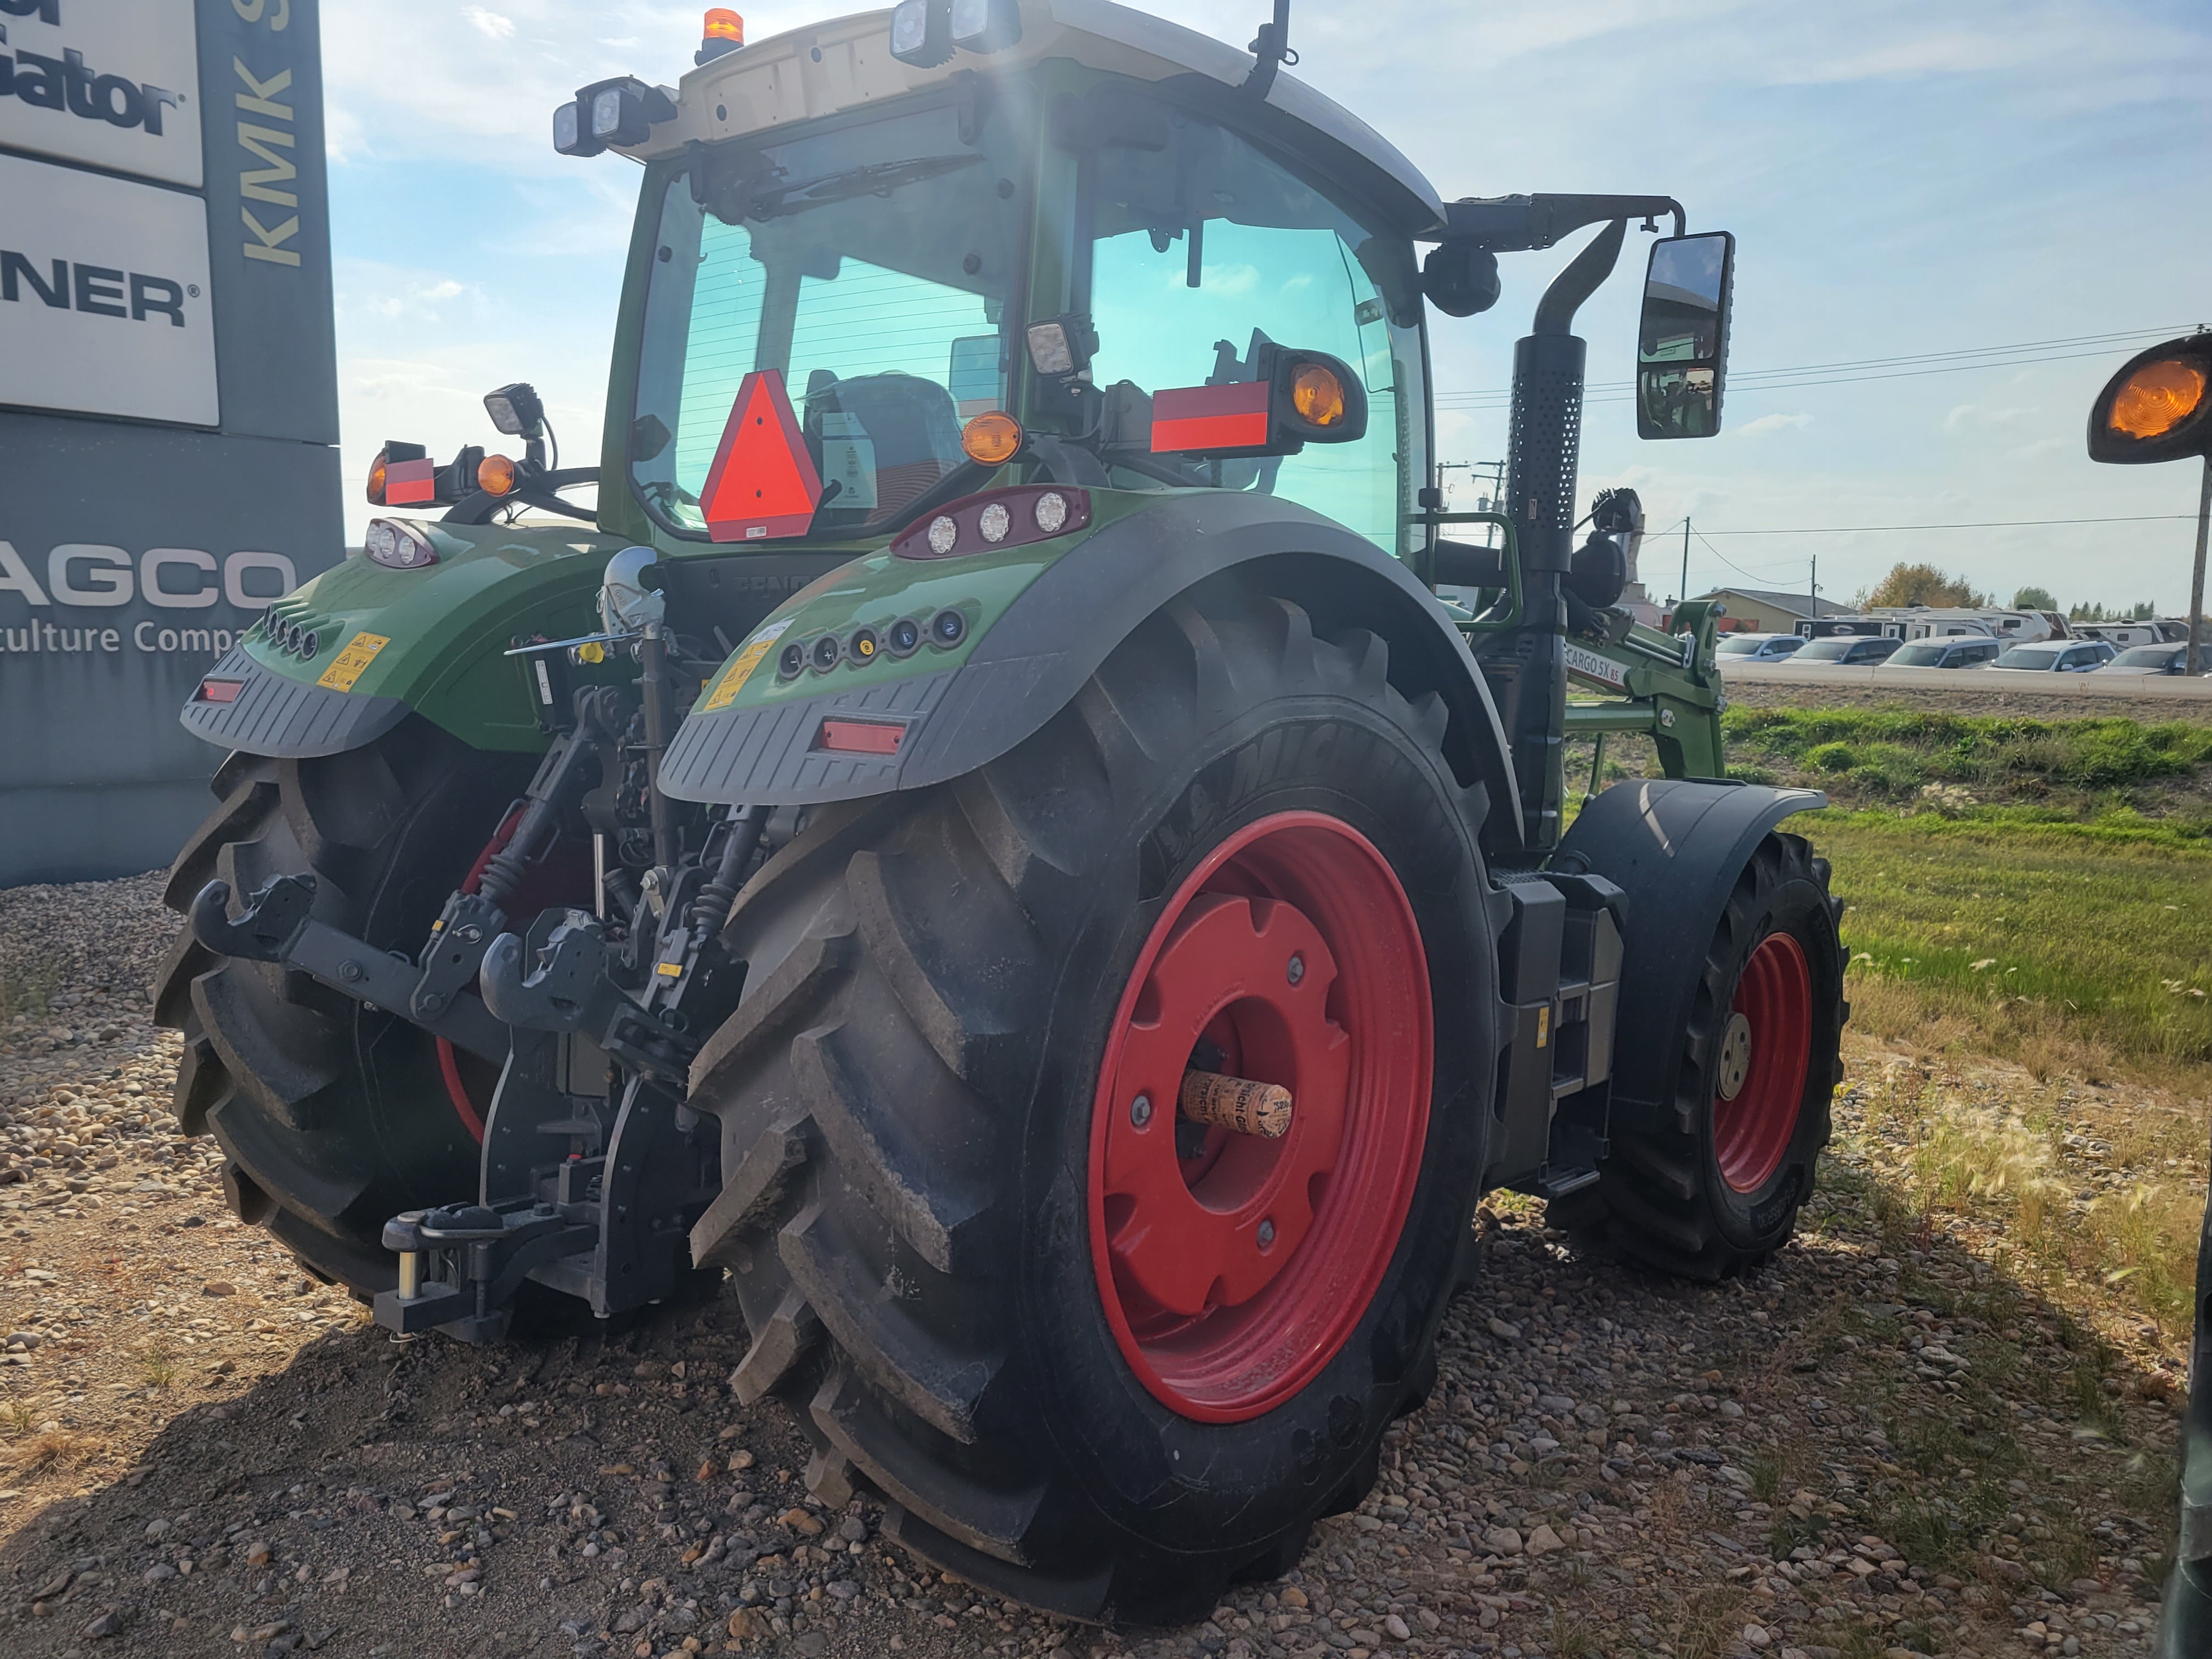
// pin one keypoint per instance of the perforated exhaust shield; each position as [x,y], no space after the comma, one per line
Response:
[1544,445]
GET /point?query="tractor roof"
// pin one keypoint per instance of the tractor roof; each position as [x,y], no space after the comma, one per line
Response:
[826,69]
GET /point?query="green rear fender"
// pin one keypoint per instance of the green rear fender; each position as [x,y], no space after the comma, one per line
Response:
[1035,622]
[434,640]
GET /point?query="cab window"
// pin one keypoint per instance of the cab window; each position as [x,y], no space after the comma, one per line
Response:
[1200,249]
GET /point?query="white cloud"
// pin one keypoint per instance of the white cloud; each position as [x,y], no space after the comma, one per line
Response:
[1766,423]
[490,24]
[1969,415]
[1954,53]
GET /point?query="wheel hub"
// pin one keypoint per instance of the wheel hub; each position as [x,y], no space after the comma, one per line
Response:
[1233,1267]
[1735,1055]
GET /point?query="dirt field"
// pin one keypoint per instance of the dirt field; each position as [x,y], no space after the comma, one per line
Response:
[1904,1438]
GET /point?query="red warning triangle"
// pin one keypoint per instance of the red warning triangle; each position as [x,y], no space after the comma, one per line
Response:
[763,483]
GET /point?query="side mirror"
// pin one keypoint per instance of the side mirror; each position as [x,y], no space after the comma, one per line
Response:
[1681,351]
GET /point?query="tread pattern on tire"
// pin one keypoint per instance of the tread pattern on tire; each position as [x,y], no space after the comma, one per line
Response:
[869,1236]
[330,1122]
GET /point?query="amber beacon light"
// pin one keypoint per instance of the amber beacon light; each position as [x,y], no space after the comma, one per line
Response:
[722,31]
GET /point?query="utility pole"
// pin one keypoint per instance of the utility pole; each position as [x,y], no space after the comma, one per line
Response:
[1684,597]
[1815,594]
[2193,658]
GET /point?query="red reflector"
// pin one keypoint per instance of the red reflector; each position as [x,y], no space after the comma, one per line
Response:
[1197,418]
[407,483]
[219,690]
[763,481]
[860,737]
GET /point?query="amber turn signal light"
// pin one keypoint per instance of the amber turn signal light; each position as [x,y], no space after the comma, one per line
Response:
[2158,407]
[1317,394]
[992,440]
[495,475]
[2157,397]
[376,469]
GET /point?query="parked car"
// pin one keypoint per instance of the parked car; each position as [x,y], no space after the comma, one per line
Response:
[1759,647]
[2052,656]
[1861,650]
[2149,660]
[1959,652]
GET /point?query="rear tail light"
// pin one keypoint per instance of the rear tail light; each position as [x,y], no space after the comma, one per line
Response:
[215,690]
[997,519]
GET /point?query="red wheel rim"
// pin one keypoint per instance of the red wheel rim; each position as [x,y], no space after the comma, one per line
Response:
[1764,1051]
[1217,1324]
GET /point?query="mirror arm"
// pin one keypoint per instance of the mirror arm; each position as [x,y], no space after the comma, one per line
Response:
[1555,312]
[1517,224]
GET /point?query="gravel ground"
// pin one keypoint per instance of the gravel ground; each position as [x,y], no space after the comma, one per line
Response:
[1964,700]
[1886,1445]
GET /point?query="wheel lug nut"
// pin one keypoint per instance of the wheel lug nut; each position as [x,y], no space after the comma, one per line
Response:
[1267,1234]
[1298,971]
[1140,1110]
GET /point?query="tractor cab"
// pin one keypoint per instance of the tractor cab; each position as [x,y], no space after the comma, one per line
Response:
[1085,232]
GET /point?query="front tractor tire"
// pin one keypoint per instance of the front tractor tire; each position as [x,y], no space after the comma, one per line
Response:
[1096,1358]
[332,1116]
[1714,1188]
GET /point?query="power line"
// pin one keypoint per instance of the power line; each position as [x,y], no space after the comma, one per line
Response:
[1772,380]
[1985,524]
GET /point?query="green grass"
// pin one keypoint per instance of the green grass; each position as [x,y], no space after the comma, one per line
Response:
[2095,933]
[1893,753]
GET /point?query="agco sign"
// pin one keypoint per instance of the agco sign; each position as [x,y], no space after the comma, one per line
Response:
[112,84]
[167,398]
[88,576]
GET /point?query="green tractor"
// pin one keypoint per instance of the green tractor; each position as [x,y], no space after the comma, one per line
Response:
[986,835]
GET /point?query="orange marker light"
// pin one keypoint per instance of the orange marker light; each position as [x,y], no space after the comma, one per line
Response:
[1317,396]
[376,480]
[992,440]
[2157,397]
[723,24]
[495,475]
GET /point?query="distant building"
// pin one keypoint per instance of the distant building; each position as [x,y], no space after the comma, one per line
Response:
[1754,610]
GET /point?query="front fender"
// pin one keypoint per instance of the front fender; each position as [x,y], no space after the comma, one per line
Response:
[392,641]
[1676,847]
[1042,618]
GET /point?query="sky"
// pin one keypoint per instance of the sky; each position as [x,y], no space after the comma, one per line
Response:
[1903,179]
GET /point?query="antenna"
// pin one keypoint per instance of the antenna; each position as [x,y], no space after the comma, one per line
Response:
[1270,50]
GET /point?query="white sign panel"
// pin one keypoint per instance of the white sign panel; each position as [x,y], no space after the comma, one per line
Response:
[113,84]
[103,305]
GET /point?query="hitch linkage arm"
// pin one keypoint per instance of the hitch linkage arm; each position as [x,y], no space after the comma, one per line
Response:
[277,926]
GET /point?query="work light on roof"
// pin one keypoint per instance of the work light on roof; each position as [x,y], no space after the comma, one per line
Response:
[985,25]
[620,111]
[921,32]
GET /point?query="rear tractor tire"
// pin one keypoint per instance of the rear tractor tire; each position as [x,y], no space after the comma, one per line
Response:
[1714,1189]
[1097,1359]
[332,1118]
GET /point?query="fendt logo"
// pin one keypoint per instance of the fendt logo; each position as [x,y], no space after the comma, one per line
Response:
[68,82]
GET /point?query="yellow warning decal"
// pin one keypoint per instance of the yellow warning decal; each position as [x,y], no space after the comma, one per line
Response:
[735,675]
[350,663]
